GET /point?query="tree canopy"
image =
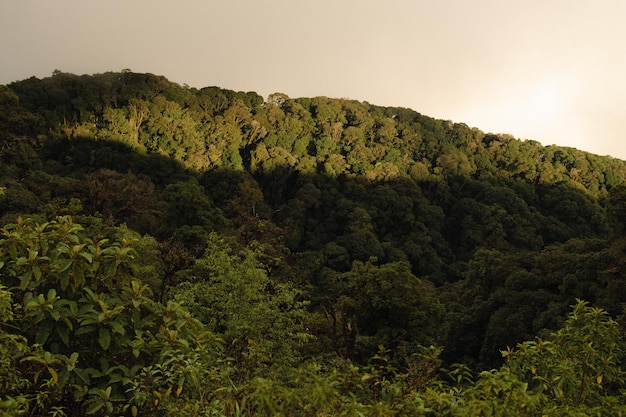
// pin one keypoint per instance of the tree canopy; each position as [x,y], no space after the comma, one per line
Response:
[167,250]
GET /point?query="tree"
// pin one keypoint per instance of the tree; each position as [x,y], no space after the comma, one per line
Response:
[260,318]
[83,332]
[125,198]
[373,305]
[578,367]
[189,205]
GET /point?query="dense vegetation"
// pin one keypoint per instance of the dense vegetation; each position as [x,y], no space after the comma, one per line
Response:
[166,250]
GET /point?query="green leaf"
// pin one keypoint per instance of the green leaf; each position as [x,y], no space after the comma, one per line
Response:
[73,307]
[64,334]
[85,328]
[118,328]
[56,315]
[67,322]
[64,376]
[79,278]
[104,338]
[32,304]
[52,295]
[25,279]
[73,358]
[54,374]
[88,256]
[65,280]
[63,265]
[115,378]
[94,408]
[43,333]
[37,272]
[86,309]
[84,374]
[13,251]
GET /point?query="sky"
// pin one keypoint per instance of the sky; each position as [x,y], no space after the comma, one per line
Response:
[547,70]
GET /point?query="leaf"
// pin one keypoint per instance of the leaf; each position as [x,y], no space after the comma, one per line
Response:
[64,376]
[84,374]
[65,280]
[118,328]
[93,409]
[73,360]
[25,279]
[599,379]
[73,308]
[88,256]
[116,378]
[104,338]
[67,322]
[43,333]
[84,328]
[37,272]
[52,295]
[79,278]
[55,375]
[32,304]
[63,265]
[64,334]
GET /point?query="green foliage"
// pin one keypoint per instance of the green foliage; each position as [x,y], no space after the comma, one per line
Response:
[420,243]
[575,373]
[83,326]
[12,348]
[580,365]
[125,198]
[188,205]
[385,304]
[56,256]
[259,317]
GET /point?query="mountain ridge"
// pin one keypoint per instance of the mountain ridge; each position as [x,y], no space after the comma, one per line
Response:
[161,86]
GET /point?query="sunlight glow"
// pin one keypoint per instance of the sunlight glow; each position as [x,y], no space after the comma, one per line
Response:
[544,104]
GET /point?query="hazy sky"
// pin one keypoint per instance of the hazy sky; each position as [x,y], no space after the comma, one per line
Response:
[549,70]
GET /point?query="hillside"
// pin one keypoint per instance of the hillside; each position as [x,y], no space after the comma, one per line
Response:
[374,242]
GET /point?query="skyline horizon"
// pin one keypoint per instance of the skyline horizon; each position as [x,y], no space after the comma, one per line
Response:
[267,94]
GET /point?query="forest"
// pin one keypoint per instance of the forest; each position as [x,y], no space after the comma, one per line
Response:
[173,251]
